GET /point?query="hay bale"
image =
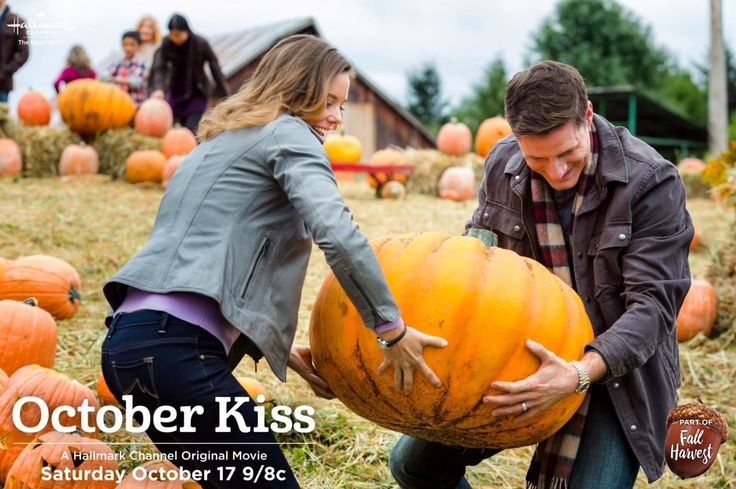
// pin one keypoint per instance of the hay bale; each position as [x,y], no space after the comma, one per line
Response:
[722,274]
[694,185]
[8,125]
[429,165]
[115,145]
[41,148]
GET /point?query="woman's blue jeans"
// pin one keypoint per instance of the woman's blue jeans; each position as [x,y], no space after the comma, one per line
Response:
[162,360]
[604,460]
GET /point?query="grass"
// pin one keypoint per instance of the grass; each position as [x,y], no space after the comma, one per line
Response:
[96,224]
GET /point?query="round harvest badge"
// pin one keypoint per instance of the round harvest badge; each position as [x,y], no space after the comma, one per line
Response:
[694,434]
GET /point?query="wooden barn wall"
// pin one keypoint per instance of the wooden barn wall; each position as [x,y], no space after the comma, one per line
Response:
[391,127]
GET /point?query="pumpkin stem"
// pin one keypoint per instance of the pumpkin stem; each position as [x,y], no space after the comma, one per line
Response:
[31,301]
[489,238]
[74,294]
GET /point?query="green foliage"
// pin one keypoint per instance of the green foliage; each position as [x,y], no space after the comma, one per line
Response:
[425,97]
[606,43]
[682,93]
[486,100]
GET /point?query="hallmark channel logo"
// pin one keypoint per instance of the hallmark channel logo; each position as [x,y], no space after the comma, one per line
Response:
[40,29]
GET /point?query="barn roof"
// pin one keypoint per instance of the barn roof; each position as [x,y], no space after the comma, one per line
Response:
[237,49]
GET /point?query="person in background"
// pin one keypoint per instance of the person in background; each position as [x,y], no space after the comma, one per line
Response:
[78,66]
[129,73]
[150,34]
[178,73]
[13,48]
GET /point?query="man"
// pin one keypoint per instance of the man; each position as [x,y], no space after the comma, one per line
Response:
[606,213]
[13,48]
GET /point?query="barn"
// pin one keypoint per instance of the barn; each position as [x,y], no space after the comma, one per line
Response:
[370,115]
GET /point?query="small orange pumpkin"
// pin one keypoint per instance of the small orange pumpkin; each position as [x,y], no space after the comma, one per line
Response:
[79,159]
[695,242]
[343,148]
[8,455]
[698,312]
[11,162]
[490,131]
[145,166]
[28,335]
[52,281]
[104,392]
[254,389]
[691,165]
[382,157]
[149,482]
[154,118]
[63,453]
[454,138]
[172,164]
[34,109]
[55,389]
[457,183]
[178,141]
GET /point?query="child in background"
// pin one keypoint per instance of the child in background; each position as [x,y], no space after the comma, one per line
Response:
[129,73]
[78,66]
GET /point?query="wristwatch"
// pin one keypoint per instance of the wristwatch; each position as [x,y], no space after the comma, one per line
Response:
[385,345]
[583,377]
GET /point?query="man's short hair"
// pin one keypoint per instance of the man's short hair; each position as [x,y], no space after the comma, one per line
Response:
[543,97]
[133,35]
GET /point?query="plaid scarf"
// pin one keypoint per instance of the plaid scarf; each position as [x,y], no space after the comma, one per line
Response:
[554,457]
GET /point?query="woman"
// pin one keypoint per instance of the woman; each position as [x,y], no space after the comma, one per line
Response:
[147,28]
[178,73]
[221,274]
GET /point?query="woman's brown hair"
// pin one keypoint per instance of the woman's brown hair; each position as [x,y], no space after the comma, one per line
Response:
[294,76]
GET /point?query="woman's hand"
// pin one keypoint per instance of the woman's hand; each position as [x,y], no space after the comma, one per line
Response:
[407,355]
[300,360]
[554,379]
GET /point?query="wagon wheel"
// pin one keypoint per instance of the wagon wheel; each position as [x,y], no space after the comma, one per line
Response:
[393,190]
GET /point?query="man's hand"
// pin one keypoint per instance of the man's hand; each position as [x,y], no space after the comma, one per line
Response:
[407,355]
[159,94]
[300,360]
[554,379]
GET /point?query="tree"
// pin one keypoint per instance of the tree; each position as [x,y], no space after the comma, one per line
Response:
[486,99]
[607,44]
[425,97]
[717,92]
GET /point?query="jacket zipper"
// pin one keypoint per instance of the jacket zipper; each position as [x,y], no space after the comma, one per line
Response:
[523,221]
[261,254]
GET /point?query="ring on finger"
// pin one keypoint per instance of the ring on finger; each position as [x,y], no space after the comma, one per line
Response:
[524,407]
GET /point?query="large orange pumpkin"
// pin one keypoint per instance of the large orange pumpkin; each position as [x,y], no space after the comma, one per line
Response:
[79,159]
[490,131]
[4,262]
[28,335]
[145,166]
[155,466]
[54,388]
[254,389]
[62,452]
[454,138]
[51,280]
[154,118]
[172,164]
[486,301]
[34,109]
[104,392]
[88,106]
[178,141]
[699,311]
[382,157]
[3,380]
[11,162]
[457,183]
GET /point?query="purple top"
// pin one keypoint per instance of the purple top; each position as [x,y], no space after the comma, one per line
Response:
[70,73]
[190,307]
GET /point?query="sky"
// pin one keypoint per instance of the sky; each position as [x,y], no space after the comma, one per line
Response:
[384,39]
